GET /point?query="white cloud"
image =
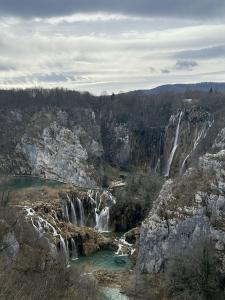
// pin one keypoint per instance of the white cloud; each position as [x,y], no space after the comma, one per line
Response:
[92,52]
[97,17]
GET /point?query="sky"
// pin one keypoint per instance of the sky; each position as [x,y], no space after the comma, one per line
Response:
[105,46]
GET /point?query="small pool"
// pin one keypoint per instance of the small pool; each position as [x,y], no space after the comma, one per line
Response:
[15,183]
[102,260]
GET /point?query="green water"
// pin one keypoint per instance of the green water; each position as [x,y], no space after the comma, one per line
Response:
[15,183]
[102,260]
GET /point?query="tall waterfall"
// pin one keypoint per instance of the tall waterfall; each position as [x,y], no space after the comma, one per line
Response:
[74,254]
[81,212]
[175,145]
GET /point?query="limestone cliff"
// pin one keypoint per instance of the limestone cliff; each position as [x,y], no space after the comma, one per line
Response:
[187,209]
[73,138]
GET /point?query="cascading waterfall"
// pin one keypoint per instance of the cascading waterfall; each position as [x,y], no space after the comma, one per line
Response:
[102,219]
[102,202]
[74,254]
[73,214]
[64,249]
[40,224]
[81,212]
[43,226]
[175,145]
[66,212]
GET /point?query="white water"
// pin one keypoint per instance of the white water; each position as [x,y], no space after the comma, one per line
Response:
[74,249]
[64,249]
[81,211]
[184,162]
[175,145]
[73,214]
[199,135]
[124,245]
[102,219]
[198,138]
[43,226]
[103,202]
[39,223]
[66,213]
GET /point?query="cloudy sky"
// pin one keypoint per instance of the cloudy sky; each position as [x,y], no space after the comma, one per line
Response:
[110,45]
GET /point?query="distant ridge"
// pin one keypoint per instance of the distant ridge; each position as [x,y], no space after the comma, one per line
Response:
[182,88]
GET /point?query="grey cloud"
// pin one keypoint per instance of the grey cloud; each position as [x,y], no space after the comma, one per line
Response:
[204,53]
[187,65]
[165,71]
[158,8]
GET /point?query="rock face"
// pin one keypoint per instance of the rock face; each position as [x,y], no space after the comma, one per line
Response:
[187,209]
[57,154]
[75,142]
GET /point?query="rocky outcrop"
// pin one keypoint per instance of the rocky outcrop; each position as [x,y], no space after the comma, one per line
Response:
[186,210]
[57,153]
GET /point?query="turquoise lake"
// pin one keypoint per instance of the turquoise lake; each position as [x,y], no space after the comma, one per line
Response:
[15,183]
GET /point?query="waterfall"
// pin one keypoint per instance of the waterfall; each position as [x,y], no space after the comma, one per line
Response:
[175,145]
[81,211]
[73,214]
[184,162]
[102,219]
[64,249]
[66,213]
[43,226]
[74,254]
[199,135]
[102,202]
[40,224]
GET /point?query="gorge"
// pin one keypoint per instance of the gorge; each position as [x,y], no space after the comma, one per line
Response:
[132,175]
